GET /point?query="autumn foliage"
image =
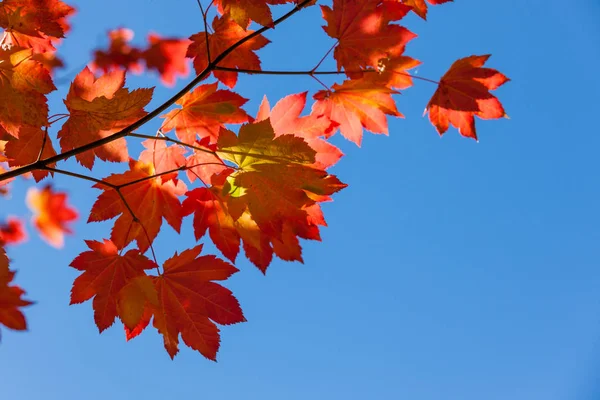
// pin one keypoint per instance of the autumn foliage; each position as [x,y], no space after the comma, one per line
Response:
[253,184]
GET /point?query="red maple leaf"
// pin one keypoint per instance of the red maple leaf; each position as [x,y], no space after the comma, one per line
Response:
[226,34]
[243,11]
[51,214]
[97,109]
[364,32]
[204,111]
[120,53]
[285,119]
[356,104]
[23,86]
[105,274]
[420,7]
[164,158]
[204,162]
[10,298]
[463,93]
[149,200]
[189,302]
[34,23]
[12,232]
[167,56]
[28,148]
[49,60]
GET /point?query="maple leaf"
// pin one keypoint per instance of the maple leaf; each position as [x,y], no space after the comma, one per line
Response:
[204,111]
[274,193]
[148,201]
[12,232]
[49,60]
[285,119]
[364,32]
[189,302]
[119,55]
[34,23]
[392,72]
[264,203]
[97,109]
[463,93]
[27,149]
[133,304]
[420,7]
[105,274]
[256,144]
[226,34]
[167,56]
[10,298]
[164,158]
[51,214]
[242,12]
[356,104]
[23,86]
[204,162]
[211,214]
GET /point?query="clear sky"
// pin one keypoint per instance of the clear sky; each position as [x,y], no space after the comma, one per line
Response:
[450,269]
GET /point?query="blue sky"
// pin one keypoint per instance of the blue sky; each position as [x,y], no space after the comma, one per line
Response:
[450,269]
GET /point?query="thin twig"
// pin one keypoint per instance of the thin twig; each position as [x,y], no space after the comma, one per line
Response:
[44,139]
[204,15]
[276,72]
[80,176]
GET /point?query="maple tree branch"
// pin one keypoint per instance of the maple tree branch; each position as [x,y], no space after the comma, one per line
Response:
[80,176]
[40,164]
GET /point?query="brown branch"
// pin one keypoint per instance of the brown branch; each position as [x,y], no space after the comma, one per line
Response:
[154,113]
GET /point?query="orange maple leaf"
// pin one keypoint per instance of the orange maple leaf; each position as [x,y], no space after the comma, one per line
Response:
[420,7]
[391,72]
[105,274]
[10,298]
[243,11]
[23,86]
[51,214]
[189,302]
[28,148]
[149,200]
[356,104]
[205,110]
[97,109]
[463,93]
[364,32]
[204,162]
[285,119]
[226,34]
[167,56]
[34,23]
[164,158]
